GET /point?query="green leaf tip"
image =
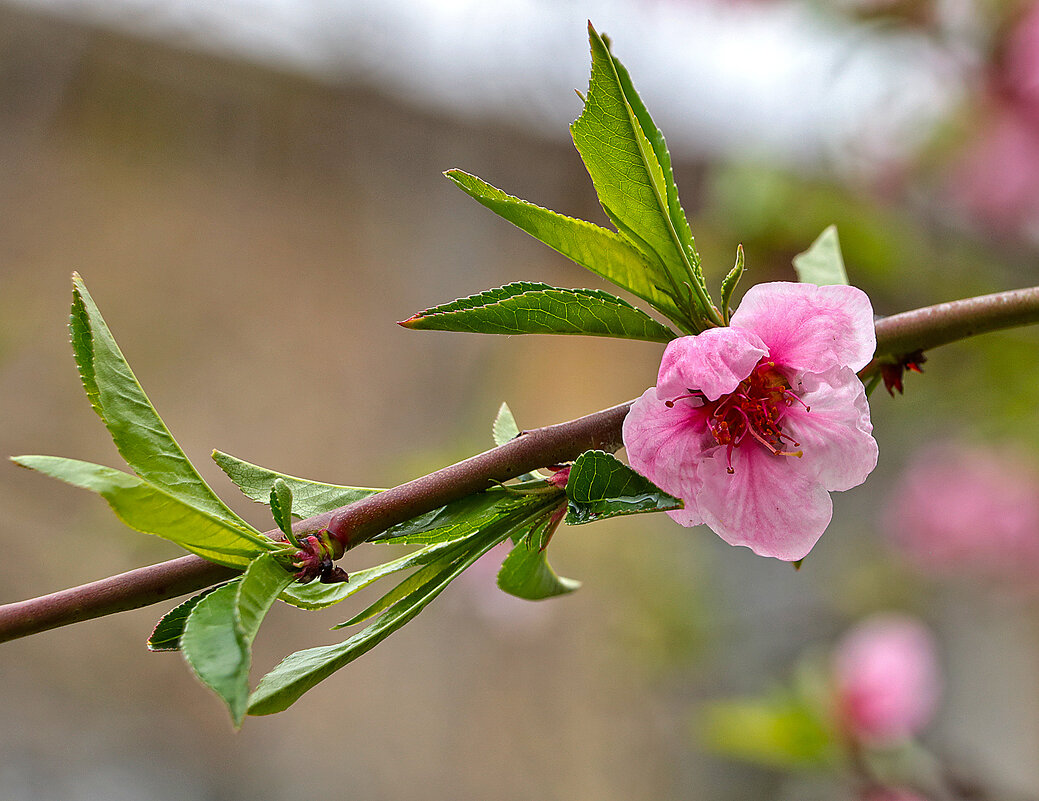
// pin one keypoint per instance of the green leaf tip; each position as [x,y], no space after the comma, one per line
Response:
[526,573]
[281,508]
[217,637]
[729,284]
[630,166]
[505,428]
[822,263]
[138,432]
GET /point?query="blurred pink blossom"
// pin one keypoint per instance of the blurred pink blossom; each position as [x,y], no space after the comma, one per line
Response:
[968,511]
[753,425]
[886,679]
[998,180]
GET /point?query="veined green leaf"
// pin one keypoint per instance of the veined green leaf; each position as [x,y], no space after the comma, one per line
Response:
[656,140]
[822,263]
[602,486]
[309,498]
[505,428]
[630,181]
[527,574]
[149,509]
[457,518]
[302,670]
[219,633]
[530,308]
[136,428]
[166,634]
[604,252]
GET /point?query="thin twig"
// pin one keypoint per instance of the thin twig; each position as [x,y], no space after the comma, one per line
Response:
[896,335]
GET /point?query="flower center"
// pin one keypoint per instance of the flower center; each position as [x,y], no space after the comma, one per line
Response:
[753,412]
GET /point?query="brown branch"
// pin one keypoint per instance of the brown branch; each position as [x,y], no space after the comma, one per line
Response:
[896,335]
[364,519]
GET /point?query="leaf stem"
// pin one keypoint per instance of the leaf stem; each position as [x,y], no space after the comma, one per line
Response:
[897,335]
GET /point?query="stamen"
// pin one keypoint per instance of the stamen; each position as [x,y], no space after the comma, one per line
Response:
[756,408]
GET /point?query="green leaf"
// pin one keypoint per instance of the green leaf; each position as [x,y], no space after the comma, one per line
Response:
[218,637]
[630,181]
[302,670]
[602,486]
[439,529]
[729,283]
[152,510]
[505,428]
[529,308]
[320,596]
[656,139]
[779,731]
[822,263]
[136,428]
[309,498]
[281,506]
[166,634]
[215,649]
[527,574]
[457,518]
[604,252]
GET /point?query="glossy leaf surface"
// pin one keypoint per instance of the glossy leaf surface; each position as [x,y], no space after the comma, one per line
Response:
[527,574]
[532,308]
[602,486]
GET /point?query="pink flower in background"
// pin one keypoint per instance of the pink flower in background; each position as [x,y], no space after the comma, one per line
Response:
[968,511]
[753,425]
[886,679]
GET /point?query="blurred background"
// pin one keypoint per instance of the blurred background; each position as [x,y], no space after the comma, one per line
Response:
[252,192]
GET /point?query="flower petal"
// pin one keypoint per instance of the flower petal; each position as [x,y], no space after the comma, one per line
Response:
[665,444]
[763,504]
[713,362]
[810,328]
[836,436]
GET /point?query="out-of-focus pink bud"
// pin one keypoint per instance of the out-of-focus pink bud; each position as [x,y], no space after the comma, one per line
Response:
[886,679]
[968,511]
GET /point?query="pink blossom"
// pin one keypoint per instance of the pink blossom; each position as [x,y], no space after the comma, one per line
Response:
[969,511]
[886,679]
[753,425]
